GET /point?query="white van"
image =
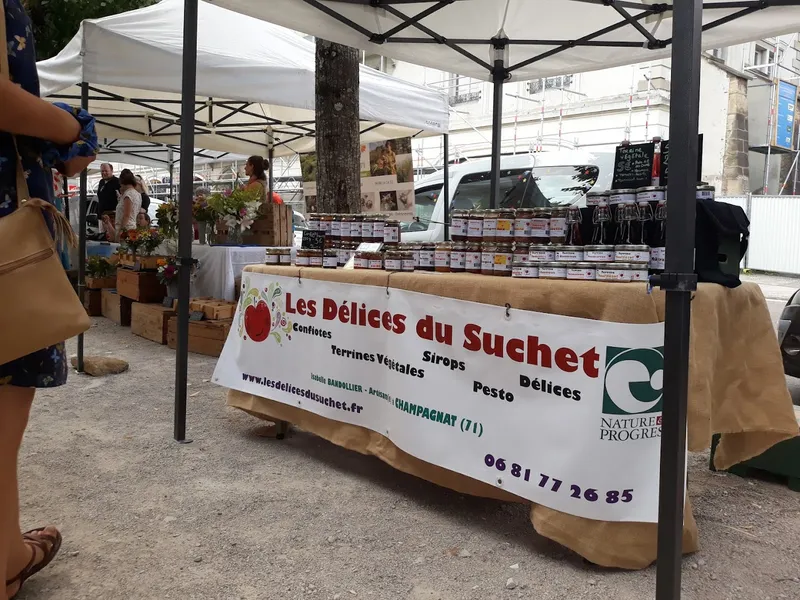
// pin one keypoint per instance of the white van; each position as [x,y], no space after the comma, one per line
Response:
[559,178]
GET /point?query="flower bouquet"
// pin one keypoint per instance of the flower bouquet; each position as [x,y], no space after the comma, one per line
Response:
[236,210]
[168,270]
[167,215]
[100,273]
[149,240]
[205,215]
[129,244]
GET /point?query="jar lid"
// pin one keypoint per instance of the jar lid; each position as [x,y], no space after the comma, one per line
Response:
[622,191]
[555,264]
[523,262]
[444,245]
[705,188]
[617,265]
[540,210]
[599,248]
[584,265]
[570,248]
[557,248]
[634,247]
[651,188]
[604,193]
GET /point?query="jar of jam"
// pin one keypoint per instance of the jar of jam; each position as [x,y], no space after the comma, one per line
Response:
[488,250]
[490,225]
[640,272]
[408,261]
[505,226]
[568,253]
[473,258]
[325,223]
[361,260]
[632,254]
[552,270]
[413,249]
[623,196]
[540,225]
[393,260]
[315,258]
[614,273]
[524,268]
[313,221]
[704,192]
[330,258]
[458,257]
[441,257]
[503,258]
[347,228]
[458,225]
[352,249]
[598,254]
[273,256]
[522,225]
[336,227]
[378,228]
[375,261]
[391,233]
[303,258]
[367,227]
[343,254]
[427,255]
[356,228]
[558,225]
[285,256]
[475,226]
[595,198]
[581,271]
[650,194]
[541,253]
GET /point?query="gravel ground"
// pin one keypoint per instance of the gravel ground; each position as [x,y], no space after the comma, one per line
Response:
[234,515]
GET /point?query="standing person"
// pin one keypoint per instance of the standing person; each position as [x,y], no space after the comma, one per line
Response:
[129,205]
[107,190]
[256,169]
[46,135]
[141,187]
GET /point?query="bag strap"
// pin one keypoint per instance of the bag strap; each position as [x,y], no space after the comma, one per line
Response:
[5,73]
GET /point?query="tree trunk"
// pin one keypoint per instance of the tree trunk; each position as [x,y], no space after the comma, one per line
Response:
[338,140]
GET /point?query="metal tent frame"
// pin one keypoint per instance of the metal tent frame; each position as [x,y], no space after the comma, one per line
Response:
[679,280]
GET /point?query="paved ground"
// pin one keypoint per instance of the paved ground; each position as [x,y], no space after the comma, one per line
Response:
[238,516]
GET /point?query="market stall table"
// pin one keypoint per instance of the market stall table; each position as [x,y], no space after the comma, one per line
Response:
[220,266]
[737,387]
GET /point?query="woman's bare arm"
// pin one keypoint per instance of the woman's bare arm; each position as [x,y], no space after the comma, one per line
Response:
[127,209]
[26,114]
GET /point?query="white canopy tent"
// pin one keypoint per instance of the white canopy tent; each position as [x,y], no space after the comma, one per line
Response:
[255,83]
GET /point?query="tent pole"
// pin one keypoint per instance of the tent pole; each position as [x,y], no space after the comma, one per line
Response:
[82,230]
[446,187]
[171,160]
[498,77]
[185,229]
[65,191]
[679,281]
[271,156]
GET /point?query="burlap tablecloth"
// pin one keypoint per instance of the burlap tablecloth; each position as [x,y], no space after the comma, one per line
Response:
[736,388]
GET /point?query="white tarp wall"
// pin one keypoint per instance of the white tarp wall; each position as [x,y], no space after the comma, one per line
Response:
[254,80]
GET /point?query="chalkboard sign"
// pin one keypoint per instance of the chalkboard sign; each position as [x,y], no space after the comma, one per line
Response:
[665,160]
[633,166]
[313,240]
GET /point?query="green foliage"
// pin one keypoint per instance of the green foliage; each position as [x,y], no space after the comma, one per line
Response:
[55,22]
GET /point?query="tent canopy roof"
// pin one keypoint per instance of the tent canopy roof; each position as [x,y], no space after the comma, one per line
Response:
[547,37]
[254,80]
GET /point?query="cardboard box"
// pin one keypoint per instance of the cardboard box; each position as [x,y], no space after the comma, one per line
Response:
[93,302]
[151,321]
[272,228]
[100,283]
[205,337]
[141,286]
[116,308]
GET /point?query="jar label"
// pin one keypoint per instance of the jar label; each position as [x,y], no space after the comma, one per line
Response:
[611,274]
[487,261]
[502,261]
[366,230]
[489,227]
[391,234]
[286,259]
[343,256]
[522,228]
[360,263]
[415,254]
[553,272]
[441,258]
[650,196]
[632,256]
[426,258]
[313,225]
[330,261]
[301,261]
[344,229]
[375,263]
[704,195]
[640,275]
[475,228]
[595,200]
[325,226]
[272,259]
[581,274]
[569,255]
[542,255]
[473,261]
[621,198]
[458,226]
[336,229]
[658,258]
[540,228]
[458,260]
[355,229]
[378,230]
[505,228]
[598,255]
[315,261]
[558,227]
[394,264]
[408,264]
[526,272]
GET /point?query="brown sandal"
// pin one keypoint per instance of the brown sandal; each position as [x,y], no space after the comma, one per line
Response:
[40,540]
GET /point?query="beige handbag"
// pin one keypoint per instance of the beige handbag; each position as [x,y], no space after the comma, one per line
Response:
[38,305]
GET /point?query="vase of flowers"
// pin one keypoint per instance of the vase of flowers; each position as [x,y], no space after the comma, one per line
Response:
[205,216]
[236,210]
[168,271]
[167,215]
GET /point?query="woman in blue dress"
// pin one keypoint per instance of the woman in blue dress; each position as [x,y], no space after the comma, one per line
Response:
[47,136]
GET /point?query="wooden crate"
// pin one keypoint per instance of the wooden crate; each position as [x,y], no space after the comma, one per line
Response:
[205,337]
[272,228]
[141,286]
[116,308]
[93,302]
[150,321]
[100,283]
[214,310]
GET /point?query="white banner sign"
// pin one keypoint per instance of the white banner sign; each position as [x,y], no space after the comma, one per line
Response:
[562,411]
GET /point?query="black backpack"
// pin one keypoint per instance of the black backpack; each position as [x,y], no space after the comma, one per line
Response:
[721,234]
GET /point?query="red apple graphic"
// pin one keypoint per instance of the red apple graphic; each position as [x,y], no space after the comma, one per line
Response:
[257,321]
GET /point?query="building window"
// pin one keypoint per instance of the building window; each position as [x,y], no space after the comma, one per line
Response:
[463,90]
[720,54]
[378,62]
[562,82]
[763,56]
